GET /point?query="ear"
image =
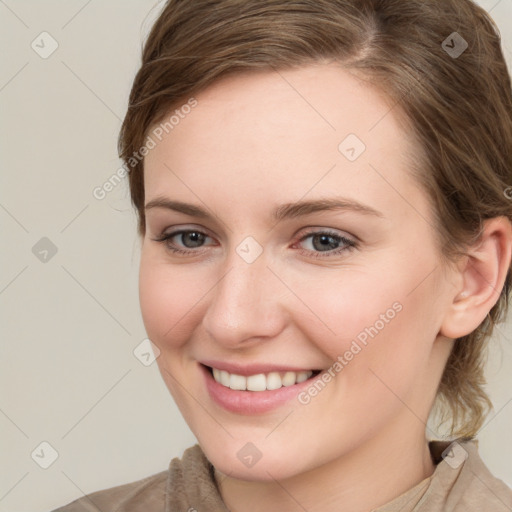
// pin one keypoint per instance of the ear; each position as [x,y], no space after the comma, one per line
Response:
[482,276]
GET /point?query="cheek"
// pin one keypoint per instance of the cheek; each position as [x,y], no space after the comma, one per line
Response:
[382,318]
[169,301]
[380,349]
[346,304]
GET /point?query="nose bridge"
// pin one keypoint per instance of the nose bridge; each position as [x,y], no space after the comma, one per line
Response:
[244,303]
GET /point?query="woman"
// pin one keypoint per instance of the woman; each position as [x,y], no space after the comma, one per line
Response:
[321,187]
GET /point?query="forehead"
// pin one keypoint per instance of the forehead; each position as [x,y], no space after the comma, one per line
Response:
[317,127]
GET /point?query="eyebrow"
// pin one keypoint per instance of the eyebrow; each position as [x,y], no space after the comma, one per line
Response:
[284,211]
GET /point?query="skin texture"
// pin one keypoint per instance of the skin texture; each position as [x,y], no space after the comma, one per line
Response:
[253,143]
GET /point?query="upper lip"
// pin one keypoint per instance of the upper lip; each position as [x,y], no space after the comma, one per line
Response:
[252,369]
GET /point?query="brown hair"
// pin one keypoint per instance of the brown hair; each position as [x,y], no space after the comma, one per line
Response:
[459,108]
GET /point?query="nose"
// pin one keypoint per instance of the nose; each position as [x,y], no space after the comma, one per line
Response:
[246,305]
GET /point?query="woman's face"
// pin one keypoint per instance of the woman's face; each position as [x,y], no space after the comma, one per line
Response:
[304,245]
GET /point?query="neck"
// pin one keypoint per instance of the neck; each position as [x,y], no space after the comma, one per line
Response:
[391,466]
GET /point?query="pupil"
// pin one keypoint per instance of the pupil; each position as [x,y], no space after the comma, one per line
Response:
[195,238]
[326,242]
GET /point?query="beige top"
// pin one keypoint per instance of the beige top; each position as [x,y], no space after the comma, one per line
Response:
[460,483]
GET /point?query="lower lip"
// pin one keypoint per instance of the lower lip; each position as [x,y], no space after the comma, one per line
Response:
[251,402]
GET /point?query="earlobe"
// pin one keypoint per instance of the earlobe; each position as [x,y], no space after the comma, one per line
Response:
[483,275]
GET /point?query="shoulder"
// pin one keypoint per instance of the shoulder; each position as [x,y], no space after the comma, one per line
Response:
[188,479]
[122,498]
[471,487]
[483,490]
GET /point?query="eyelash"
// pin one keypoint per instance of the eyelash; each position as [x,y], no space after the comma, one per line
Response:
[349,244]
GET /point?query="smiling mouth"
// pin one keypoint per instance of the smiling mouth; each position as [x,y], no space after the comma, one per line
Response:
[261,381]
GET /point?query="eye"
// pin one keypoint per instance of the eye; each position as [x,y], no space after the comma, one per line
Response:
[326,243]
[318,244]
[183,241]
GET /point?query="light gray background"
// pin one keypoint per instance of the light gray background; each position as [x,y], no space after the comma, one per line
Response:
[69,325]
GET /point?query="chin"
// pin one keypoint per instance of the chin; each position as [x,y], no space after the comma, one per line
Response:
[271,460]
[266,469]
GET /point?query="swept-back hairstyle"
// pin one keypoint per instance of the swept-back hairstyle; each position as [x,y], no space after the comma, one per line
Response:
[457,105]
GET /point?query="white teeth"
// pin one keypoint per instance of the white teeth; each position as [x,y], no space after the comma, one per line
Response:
[224,378]
[257,382]
[289,379]
[274,381]
[260,381]
[237,382]
[302,376]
